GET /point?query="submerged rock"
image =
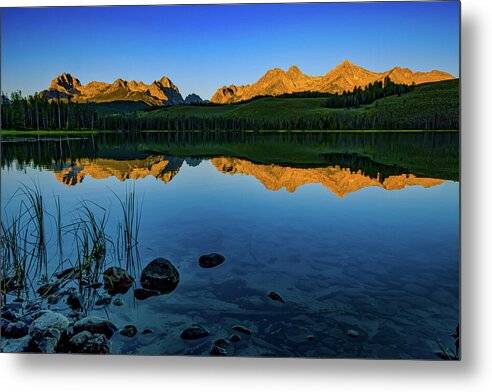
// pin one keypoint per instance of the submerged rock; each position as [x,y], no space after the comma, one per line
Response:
[117,280]
[14,329]
[211,260]
[221,342]
[160,275]
[234,338]
[194,332]
[242,329]
[144,294]
[87,343]
[147,331]
[129,330]
[95,325]
[274,296]
[46,330]
[219,347]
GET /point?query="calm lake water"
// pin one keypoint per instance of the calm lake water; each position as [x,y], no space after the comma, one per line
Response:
[359,234]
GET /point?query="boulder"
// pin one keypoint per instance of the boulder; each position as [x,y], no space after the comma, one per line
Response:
[117,280]
[87,343]
[46,330]
[211,260]
[160,275]
[219,347]
[274,296]
[14,329]
[95,325]
[129,330]
[194,332]
[234,338]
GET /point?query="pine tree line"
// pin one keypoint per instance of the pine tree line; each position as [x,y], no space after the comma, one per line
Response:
[38,112]
[366,96]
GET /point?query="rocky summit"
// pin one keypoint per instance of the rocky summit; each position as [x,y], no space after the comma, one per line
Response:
[344,77]
[159,92]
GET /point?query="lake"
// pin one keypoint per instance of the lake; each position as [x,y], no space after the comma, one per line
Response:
[356,233]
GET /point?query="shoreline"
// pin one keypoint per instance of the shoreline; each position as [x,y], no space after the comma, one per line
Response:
[56,132]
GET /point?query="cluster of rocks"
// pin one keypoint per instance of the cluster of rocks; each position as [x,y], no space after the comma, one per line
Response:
[29,328]
[46,331]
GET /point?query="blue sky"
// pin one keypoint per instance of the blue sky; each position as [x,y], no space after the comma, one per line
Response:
[204,47]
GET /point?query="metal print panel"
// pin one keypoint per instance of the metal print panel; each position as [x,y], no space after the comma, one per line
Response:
[274,180]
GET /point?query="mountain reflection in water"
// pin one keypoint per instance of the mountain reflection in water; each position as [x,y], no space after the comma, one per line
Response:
[339,180]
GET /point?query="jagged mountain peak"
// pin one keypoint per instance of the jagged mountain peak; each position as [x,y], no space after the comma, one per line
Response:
[65,83]
[346,63]
[166,82]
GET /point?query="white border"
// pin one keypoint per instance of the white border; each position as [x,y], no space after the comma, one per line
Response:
[39,373]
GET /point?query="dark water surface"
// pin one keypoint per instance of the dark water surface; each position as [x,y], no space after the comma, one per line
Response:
[359,234]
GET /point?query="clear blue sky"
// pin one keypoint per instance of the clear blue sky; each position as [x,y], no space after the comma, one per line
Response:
[204,47]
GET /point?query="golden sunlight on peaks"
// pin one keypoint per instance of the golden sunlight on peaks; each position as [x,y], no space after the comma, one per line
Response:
[344,77]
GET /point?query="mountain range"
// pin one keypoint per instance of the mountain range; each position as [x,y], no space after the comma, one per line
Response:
[344,77]
[159,92]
